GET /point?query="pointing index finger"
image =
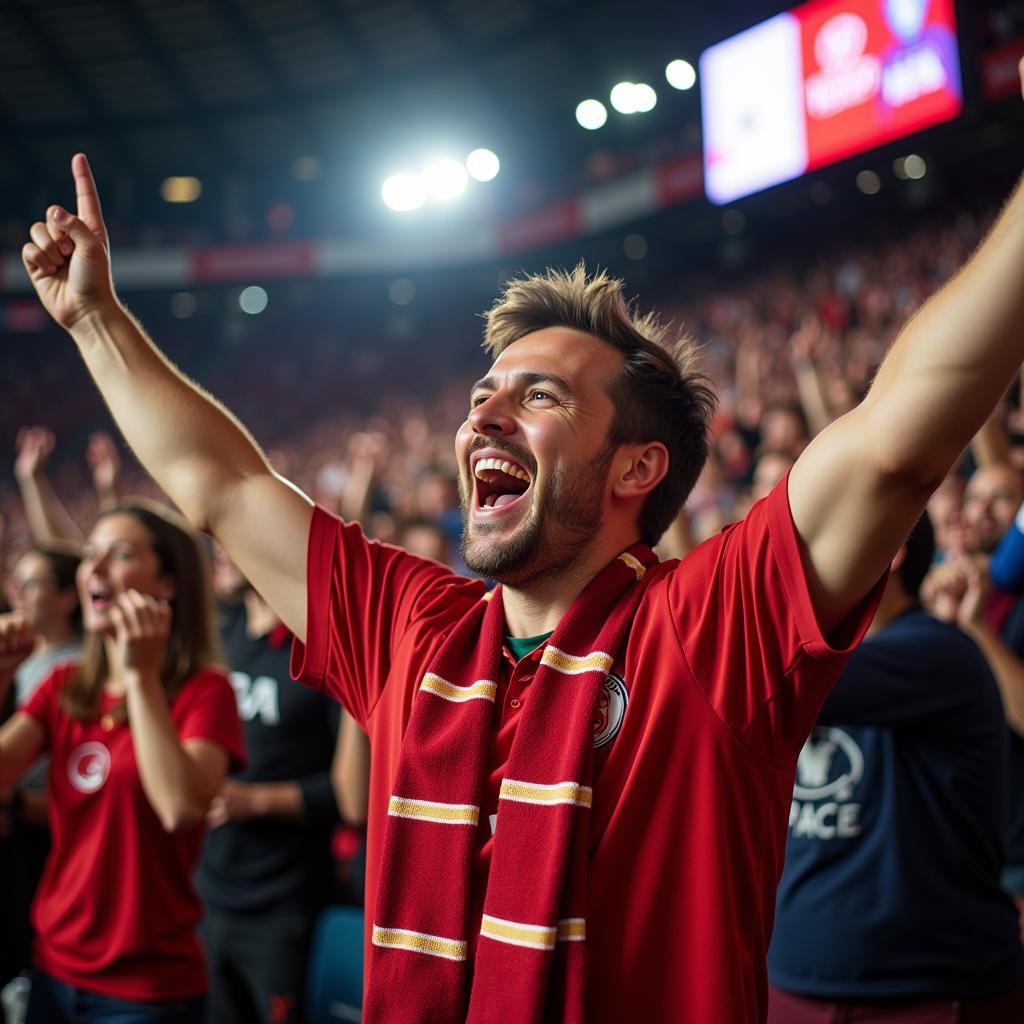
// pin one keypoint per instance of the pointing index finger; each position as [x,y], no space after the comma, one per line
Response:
[89,211]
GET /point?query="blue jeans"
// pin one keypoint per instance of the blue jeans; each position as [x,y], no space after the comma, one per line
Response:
[53,1002]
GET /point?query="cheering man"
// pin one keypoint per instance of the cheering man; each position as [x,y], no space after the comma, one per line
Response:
[581,782]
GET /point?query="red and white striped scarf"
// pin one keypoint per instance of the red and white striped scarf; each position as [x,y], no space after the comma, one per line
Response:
[531,957]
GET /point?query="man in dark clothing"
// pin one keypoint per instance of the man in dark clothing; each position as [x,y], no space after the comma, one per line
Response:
[266,870]
[890,900]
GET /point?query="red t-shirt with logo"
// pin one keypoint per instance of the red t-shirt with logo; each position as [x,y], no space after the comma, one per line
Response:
[696,740]
[116,912]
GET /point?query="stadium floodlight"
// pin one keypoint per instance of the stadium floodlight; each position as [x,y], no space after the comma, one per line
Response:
[403,192]
[869,182]
[483,165]
[181,189]
[591,114]
[252,300]
[305,168]
[644,97]
[914,167]
[623,97]
[680,74]
[445,179]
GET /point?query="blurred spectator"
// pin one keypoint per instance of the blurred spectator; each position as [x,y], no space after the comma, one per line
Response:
[42,588]
[141,731]
[898,805]
[266,870]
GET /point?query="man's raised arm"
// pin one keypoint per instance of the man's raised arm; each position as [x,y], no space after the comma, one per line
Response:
[190,444]
[862,483]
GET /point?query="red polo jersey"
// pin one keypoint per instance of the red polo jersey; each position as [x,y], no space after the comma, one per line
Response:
[711,697]
[116,911]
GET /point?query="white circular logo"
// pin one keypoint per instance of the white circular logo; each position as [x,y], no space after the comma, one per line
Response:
[840,42]
[88,767]
[830,765]
[611,709]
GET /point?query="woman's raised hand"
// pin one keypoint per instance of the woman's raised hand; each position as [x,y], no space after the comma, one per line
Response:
[142,625]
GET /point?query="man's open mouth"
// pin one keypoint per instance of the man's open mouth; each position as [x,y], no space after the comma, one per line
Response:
[499,482]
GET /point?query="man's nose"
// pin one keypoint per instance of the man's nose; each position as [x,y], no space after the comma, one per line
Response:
[492,417]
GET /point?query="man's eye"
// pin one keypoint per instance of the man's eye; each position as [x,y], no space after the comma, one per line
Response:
[477,401]
[543,396]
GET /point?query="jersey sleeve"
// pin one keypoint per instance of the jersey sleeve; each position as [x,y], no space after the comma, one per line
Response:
[362,596]
[44,704]
[209,711]
[748,631]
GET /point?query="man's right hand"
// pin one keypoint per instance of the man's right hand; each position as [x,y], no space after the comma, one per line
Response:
[67,259]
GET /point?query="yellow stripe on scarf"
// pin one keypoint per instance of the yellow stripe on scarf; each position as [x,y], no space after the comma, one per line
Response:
[572,929]
[428,810]
[538,793]
[573,664]
[515,933]
[482,689]
[634,563]
[419,942]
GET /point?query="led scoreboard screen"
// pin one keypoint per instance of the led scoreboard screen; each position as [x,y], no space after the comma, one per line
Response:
[822,82]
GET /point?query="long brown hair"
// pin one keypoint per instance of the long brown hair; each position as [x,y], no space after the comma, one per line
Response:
[192,643]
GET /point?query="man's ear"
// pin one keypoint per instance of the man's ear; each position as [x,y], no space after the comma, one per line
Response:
[639,469]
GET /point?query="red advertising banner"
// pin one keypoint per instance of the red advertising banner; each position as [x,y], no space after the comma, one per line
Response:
[876,70]
[236,262]
[999,76]
[680,180]
[551,224]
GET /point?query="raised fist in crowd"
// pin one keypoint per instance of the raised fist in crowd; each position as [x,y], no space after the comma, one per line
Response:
[105,467]
[957,591]
[67,259]
[16,644]
[34,446]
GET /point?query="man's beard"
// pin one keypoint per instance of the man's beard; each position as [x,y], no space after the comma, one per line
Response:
[556,531]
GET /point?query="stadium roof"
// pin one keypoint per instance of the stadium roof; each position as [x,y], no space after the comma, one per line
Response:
[157,87]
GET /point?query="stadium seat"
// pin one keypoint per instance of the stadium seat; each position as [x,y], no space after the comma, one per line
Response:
[334,987]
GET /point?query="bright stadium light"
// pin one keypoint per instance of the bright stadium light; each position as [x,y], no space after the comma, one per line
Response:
[445,179]
[591,114]
[252,300]
[181,189]
[680,74]
[483,165]
[914,167]
[403,192]
[623,97]
[644,97]
[869,182]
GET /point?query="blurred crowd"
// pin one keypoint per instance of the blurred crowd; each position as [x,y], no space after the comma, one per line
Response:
[787,349]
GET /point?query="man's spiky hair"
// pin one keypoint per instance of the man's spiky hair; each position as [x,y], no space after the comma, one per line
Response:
[660,395]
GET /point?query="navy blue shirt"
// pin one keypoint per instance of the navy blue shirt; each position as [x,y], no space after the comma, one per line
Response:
[270,865]
[895,846]
[1006,567]
[1012,633]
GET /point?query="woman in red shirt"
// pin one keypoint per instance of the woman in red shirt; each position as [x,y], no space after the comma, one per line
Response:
[140,733]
